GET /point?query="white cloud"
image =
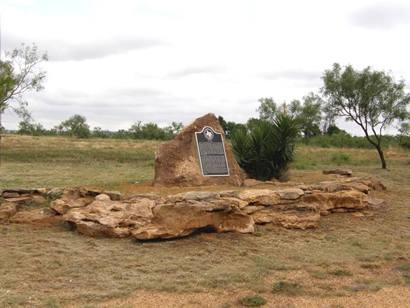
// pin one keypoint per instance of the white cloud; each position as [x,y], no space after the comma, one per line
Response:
[117,62]
[382,15]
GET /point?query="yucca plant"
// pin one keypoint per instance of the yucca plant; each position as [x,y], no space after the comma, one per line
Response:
[265,150]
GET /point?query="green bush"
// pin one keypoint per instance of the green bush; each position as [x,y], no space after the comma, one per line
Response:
[264,150]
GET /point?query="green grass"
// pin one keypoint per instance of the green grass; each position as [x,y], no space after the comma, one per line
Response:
[60,161]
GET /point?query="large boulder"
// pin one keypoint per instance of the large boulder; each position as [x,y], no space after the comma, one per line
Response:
[177,162]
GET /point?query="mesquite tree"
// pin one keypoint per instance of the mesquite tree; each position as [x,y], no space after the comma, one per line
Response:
[20,73]
[371,99]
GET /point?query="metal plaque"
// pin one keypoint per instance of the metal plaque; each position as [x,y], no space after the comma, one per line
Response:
[211,152]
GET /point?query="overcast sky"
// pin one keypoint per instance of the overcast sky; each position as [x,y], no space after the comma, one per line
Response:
[117,62]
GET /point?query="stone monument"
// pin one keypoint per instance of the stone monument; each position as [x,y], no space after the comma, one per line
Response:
[198,155]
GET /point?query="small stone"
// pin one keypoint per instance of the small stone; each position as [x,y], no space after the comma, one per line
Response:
[290,193]
[7,210]
[55,193]
[39,200]
[114,195]
[358,215]
[102,197]
[376,203]
[7,195]
[19,200]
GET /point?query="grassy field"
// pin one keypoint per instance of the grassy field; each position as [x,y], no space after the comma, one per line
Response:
[346,262]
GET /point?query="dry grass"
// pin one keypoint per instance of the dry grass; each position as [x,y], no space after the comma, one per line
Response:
[363,258]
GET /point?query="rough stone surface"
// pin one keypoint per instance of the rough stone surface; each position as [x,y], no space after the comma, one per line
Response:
[7,210]
[152,216]
[102,197]
[11,194]
[177,162]
[32,216]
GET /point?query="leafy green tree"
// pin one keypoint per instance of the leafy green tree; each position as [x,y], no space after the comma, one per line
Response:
[265,149]
[267,109]
[27,126]
[371,99]
[308,114]
[404,134]
[173,129]
[334,130]
[20,73]
[75,126]
[229,127]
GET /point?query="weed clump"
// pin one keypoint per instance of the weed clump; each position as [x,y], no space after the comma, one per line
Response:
[285,287]
[253,301]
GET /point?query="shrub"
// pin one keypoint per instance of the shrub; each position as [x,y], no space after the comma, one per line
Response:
[290,288]
[264,150]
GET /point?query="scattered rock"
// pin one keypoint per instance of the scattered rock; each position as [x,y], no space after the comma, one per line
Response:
[55,193]
[39,200]
[7,194]
[290,193]
[7,210]
[61,206]
[19,200]
[358,215]
[151,216]
[102,197]
[114,195]
[344,172]
[177,163]
[375,203]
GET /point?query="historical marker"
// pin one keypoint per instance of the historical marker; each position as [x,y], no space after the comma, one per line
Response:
[211,151]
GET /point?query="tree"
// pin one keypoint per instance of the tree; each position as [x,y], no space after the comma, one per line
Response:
[27,126]
[20,73]
[404,134]
[75,126]
[229,127]
[173,129]
[334,130]
[308,114]
[371,99]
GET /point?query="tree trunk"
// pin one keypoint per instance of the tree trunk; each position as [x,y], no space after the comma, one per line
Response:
[381,155]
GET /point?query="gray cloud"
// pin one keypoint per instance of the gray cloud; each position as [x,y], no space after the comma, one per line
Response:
[300,77]
[291,74]
[200,70]
[381,15]
[64,51]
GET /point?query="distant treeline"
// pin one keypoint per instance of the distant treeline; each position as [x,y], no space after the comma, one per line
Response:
[331,136]
[76,126]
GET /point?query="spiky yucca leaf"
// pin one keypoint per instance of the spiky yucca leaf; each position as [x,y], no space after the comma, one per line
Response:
[265,149]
